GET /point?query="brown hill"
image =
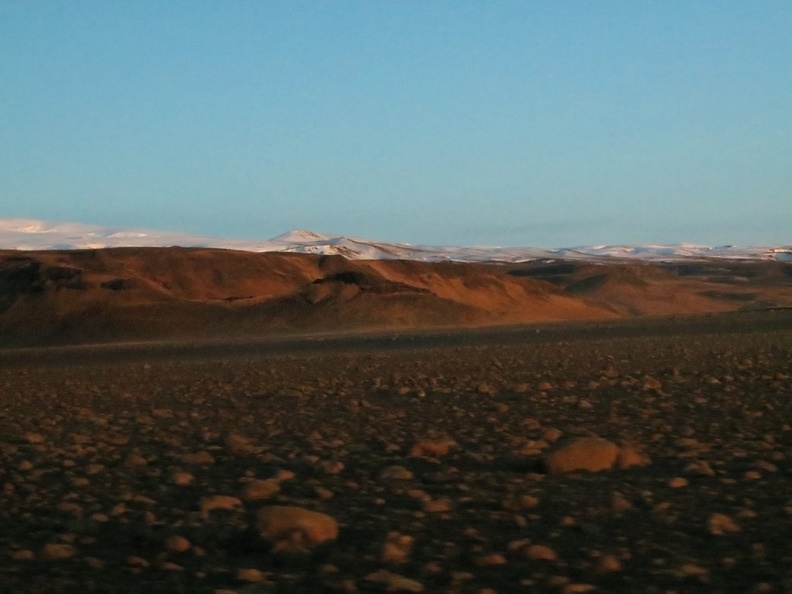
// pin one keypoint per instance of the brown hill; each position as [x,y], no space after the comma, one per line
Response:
[176,293]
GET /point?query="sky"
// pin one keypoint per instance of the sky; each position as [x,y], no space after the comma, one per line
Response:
[516,123]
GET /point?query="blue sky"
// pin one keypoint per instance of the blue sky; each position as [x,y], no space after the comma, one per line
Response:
[503,122]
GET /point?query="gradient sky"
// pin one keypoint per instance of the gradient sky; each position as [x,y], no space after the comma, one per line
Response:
[545,123]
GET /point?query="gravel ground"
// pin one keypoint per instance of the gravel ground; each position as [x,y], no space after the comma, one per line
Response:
[194,468]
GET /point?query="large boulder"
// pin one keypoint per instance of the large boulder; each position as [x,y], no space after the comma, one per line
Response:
[592,454]
[294,527]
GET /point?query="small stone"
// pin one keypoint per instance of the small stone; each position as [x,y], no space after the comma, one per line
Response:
[136,561]
[251,575]
[434,506]
[201,458]
[182,478]
[57,552]
[323,492]
[652,383]
[537,552]
[490,560]
[135,461]
[34,438]
[397,548]
[259,490]
[23,555]
[432,448]
[608,564]
[631,456]
[177,544]
[220,502]
[720,524]
[393,582]
[678,482]
[520,502]
[552,434]
[691,570]
[399,473]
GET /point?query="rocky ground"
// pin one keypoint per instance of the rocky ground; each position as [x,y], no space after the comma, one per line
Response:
[435,464]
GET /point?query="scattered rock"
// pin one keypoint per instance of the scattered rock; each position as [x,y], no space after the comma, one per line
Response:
[177,544]
[396,472]
[259,490]
[277,522]
[433,448]
[537,552]
[397,548]
[220,503]
[593,454]
[720,524]
[392,582]
[57,552]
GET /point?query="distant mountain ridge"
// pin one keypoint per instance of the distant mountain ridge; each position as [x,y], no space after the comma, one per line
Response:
[32,234]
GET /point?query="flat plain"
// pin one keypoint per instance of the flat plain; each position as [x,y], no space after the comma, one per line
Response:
[158,467]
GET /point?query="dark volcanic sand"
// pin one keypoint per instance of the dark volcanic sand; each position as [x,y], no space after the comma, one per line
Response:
[92,441]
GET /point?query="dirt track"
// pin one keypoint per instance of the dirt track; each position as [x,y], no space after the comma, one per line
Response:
[113,451]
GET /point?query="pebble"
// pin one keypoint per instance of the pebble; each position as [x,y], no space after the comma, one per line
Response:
[396,472]
[57,552]
[537,552]
[720,524]
[177,544]
[259,490]
[393,582]
[397,548]
[220,503]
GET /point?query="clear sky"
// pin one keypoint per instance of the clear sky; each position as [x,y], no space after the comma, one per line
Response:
[546,123]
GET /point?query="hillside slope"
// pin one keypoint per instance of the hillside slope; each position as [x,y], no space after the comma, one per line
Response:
[122,294]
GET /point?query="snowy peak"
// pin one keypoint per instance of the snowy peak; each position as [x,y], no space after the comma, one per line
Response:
[300,236]
[29,234]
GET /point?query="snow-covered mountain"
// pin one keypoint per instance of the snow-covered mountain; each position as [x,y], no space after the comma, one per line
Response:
[27,234]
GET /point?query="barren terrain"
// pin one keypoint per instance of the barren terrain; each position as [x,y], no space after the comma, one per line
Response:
[132,294]
[434,457]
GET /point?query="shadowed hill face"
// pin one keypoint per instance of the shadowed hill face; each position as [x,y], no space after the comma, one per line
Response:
[156,293]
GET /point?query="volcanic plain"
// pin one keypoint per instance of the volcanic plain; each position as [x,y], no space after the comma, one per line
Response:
[625,453]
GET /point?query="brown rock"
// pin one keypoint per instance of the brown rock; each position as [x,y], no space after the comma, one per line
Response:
[251,575]
[220,502]
[630,456]
[177,544]
[198,458]
[259,490]
[608,564]
[34,438]
[278,522]
[397,548]
[537,552]
[719,524]
[182,478]
[433,448]
[593,454]
[393,582]
[396,473]
[57,552]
